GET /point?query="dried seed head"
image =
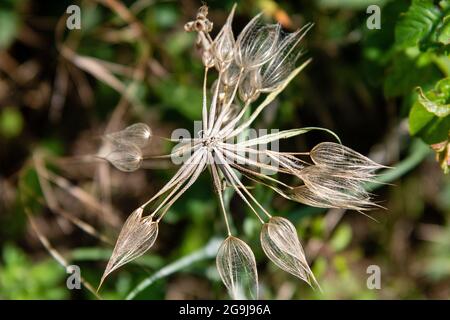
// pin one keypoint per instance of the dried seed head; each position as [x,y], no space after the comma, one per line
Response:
[202,26]
[237,268]
[223,44]
[255,44]
[201,23]
[332,187]
[280,242]
[208,58]
[138,234]
[124,156]
[261,60]
[287,52]
[303,195]
[230,75]
[138,134]
[248,87]
[337,156]
[202,15]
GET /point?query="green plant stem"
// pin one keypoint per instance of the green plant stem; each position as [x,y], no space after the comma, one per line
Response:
[207,252]
[418,152]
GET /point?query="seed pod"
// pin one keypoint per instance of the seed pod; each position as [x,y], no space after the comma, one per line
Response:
[223,44]
[138,234]
[208,58]
[237,268]
[286,53]
[337,156]
[280,242]
[230,75]
[255,44]
[248,88]
[335,187]
[138,134]
[126,157]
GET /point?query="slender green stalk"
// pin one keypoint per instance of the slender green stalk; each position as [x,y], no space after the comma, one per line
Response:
[209,251]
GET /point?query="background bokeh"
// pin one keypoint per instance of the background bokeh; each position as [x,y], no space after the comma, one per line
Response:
[132,62]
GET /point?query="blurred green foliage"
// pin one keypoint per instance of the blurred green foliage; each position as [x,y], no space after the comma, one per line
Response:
[21,278]
[9,22]
[11,122]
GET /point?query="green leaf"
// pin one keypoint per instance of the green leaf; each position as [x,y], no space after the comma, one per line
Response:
[443,32]
[417,23]
[430,115]
[409,70]
[427,125]
[437,100]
